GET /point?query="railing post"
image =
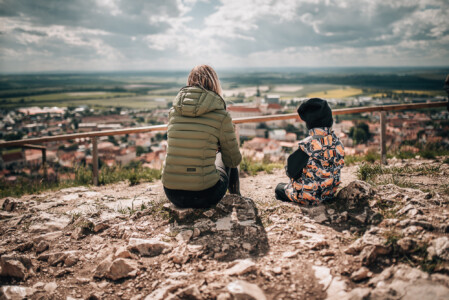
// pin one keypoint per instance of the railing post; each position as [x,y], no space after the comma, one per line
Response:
[383,141]
[94,160]
[44,162]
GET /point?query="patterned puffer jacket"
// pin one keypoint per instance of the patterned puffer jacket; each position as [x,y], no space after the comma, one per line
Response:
[321,176]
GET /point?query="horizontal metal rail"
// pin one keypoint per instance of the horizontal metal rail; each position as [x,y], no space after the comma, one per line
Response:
[257,119]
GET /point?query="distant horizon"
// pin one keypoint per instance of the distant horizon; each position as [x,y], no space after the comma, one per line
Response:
[232,69]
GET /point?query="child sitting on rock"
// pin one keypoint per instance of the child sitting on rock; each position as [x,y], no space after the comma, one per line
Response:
[318,161]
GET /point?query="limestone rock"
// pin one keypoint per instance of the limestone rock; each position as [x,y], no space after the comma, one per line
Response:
[180,255]
[241,289]
[164,292]
[67,258]
[358,294]
[24,247]
[98,227]
[191,292]
[41,247]
[371,237]
[407,244]
[16,266]
[50,287]
[370,253]
[355,191]
[404,282]
[122,268]
[56,224]
[117,269]
[13,268]
[14,292]
[10,204]
[150,247]
[241,267]
[184,236]
[361,274]
[124,253]
[179,213]
[439,248]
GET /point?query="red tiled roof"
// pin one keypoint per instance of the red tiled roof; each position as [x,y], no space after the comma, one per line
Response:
[274,106]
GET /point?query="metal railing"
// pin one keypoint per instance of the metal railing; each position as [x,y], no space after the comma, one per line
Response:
[27,143]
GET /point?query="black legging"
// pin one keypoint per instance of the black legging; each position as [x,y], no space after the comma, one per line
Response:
[205,198]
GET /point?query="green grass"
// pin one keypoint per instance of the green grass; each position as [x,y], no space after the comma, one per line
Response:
[370,173]
[83,176]
[252,167]
[368,157]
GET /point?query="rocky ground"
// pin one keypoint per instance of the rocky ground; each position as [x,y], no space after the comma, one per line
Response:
[378,241]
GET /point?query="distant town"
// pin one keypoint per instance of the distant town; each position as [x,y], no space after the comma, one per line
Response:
[271,141]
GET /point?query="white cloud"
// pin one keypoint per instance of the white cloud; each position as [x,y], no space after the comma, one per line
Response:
[140,34]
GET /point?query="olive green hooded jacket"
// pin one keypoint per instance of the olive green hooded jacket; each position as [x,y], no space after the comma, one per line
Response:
[198,125]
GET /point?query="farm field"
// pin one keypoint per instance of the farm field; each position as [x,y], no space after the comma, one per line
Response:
[419,92]
[71,96]
[95,99]
[336,93]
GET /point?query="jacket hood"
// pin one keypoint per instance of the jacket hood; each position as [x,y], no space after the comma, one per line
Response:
[194,101]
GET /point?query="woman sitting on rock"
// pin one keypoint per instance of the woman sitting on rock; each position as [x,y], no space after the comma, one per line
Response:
[314,169]
[203,152]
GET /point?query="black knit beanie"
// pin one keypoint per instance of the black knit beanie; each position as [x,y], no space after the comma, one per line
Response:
[316,113]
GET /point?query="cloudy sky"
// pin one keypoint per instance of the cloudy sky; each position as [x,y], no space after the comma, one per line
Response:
[46,35]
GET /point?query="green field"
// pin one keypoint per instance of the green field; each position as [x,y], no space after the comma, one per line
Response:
[157,88]
[97,99]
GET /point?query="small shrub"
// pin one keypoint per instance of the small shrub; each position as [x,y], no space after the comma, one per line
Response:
[372,157]
[252,168]
[428,154]
[369,172]
[133,178]
[405,155]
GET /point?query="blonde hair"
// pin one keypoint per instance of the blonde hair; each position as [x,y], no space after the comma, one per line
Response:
[205,76]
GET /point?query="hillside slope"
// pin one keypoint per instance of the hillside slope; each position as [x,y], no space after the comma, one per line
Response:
[126,242]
